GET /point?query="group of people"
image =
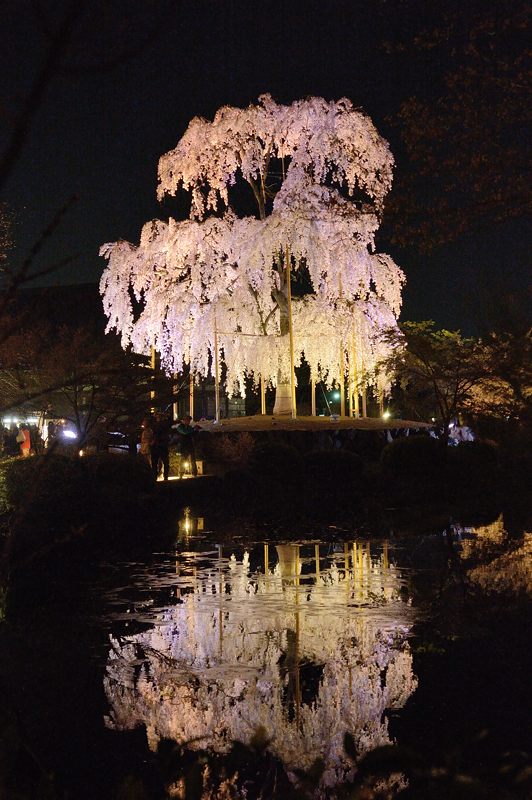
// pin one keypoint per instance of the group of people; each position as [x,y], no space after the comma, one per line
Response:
[156,435]
[16,440]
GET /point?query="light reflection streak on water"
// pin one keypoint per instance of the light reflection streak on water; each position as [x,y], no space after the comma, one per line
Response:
[300,639]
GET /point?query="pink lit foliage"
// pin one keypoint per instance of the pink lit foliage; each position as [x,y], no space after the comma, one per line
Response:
[318,172]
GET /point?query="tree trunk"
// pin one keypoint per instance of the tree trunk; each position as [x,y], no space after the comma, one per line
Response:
[283,392]
[283,396]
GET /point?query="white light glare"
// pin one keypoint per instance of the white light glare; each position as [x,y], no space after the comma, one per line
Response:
[69,435]
[387,415]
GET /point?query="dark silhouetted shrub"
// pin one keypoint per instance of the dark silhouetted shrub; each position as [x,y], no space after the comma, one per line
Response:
[50,486]
[419,457]
[472,463]
[229,448]
[53,498]
[334,469]
[278,461]
[116,473]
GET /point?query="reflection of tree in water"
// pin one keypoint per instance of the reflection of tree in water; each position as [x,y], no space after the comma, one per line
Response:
[307,655]
[499,563]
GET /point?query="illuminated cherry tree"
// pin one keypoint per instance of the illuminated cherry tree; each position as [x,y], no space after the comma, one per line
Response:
[318,172]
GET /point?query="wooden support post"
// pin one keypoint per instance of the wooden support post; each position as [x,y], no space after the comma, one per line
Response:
[175,406]
[152,365]
[220,605]
[313,397]
[298,634]
[191,393]
[342,381]
[353,358]
[351,389]
[262,396]
[346,560]
[290,333]
[216,375]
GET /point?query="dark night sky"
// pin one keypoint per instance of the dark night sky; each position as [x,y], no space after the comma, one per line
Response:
[99,132]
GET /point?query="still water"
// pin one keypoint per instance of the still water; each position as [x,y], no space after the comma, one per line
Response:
[415,638]
[304,641]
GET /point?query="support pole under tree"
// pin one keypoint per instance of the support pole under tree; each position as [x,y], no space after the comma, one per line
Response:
[342,359]
[152,366]
[313,397]
[363,391]
[290,333]
[262,396]
[191,393]
[353,363]
[351,388]
[381,402]
[342,381]
[298,634]
[216,374]
[175,406]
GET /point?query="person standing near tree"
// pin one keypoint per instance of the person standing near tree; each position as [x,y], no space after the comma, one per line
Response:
[159,450]
[146,440]
[24,440]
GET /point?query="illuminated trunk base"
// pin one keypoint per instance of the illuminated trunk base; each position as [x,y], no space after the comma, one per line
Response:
[283,398]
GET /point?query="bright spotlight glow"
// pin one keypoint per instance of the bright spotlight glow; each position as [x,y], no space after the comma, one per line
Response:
[69,435]
[387,415]
[336,395]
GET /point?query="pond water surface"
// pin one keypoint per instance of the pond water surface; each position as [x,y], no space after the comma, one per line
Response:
[390,640]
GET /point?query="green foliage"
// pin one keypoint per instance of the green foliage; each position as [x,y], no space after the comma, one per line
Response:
[439,364]
[420,457]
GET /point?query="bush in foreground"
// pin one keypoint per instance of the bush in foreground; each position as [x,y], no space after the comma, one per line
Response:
[334,469]
[418,457]
[52,499]
[276,460]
